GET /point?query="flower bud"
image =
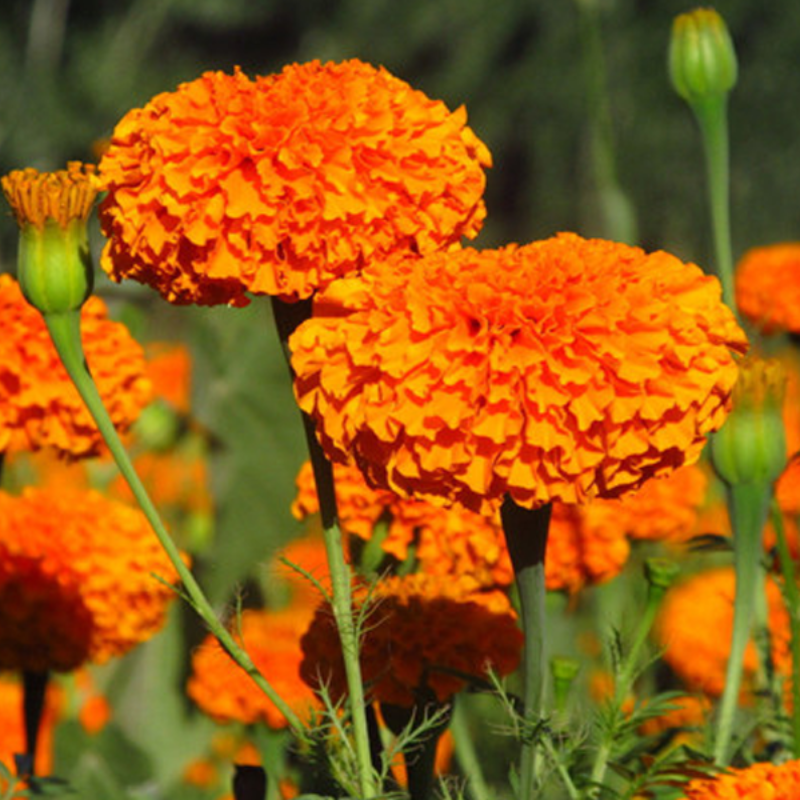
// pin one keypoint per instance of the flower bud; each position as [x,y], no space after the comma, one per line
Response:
[702,60]
[52,209]
[750,448]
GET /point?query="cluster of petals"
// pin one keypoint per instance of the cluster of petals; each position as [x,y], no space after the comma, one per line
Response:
[39,406]
[762,781]
[77,579]
[561,370]
[768,287]
[279,184]
[272,640]
[446,541]
[424,637]
[695,626]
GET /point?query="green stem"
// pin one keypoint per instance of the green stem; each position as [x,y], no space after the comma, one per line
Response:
[792,596]
[34,685]
[526,535]
[748,504]
[65,332]
[466,755]
[287,317]
[712,116]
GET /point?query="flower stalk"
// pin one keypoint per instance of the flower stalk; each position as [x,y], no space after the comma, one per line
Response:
[526,535]
[64,329]
[287,318]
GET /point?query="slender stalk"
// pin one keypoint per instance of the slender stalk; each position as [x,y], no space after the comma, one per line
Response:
[34,687]
[65,332]
[466,755]
[526,535]
[792,596]
[287,318]
[748,504]
[712,117]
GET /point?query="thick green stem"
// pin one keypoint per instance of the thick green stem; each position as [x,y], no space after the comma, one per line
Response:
[712,117]
[526,535]
[34,686]
[466,756]
[748,504]
[792,597]
[65,332]
[287,317]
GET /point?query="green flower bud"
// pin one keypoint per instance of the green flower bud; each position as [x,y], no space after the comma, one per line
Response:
[564,671]
[660,573]
[750,448]
[52,209]
[702,61]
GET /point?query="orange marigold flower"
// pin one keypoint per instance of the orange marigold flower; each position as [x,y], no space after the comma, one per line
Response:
[423,632]
[757,782]
[76,579]
[280,184]
[447,541]
[689,712]
[169,367]
[768,287]
[272,639]
[39,406]
[695,623]
[561,370]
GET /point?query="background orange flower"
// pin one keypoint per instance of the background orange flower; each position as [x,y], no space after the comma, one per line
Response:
[39,407]
[768,287]
[76,579]
[423,639]
[562,370]
[279,185]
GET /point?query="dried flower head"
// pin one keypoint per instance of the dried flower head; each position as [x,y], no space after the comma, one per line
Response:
[767,781]
[424,638]
[768,287]
[272,639]
[76,579]
[279,185]
[39,407]
[561,370]
[695,624]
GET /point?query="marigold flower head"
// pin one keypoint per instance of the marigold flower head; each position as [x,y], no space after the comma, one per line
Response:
[76,579]
[695,624]
[169,367]
[768,287]
[272,639]
[39,407]
[561,370]
[280,184]
[759,782]
[422,633]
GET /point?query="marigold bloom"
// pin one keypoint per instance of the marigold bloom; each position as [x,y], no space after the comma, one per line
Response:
[280,184]
[695,624]
[768,287]
[272,639]
[423,632]
[561,370]
[76,579]
[757,782]
[169,367]
[39,406]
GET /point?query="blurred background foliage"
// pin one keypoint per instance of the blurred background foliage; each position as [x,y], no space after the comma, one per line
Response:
[571,97]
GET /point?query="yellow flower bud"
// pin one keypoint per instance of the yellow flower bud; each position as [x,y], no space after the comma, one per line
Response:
[52,209]
[750,448]
[702,60]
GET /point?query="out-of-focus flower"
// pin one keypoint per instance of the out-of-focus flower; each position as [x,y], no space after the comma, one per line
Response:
[562,370]
[272,639]
[767,781]
[447,541]
[768,287]
[695,624]
[689,715]
[280,184]
[12,726]
[39,406]
[51,208]
[169,367]
[76,579]
[424,638]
